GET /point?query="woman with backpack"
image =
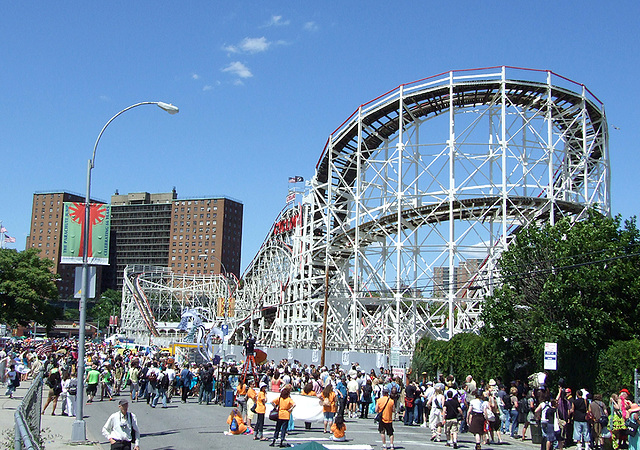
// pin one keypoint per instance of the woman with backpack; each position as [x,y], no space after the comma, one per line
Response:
[70,386]
[527,406]
[436,418]
[600,419]
[55,388]
[235,422]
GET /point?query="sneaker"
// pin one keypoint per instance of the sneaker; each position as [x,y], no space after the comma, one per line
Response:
[455,445]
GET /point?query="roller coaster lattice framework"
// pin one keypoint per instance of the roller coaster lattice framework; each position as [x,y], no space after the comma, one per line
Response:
[413,199]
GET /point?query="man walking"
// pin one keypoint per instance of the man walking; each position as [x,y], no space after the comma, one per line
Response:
[385,406]
[121,428]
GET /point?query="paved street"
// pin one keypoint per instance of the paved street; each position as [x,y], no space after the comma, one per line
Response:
[193,426]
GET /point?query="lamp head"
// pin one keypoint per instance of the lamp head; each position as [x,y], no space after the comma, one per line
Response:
[168,107]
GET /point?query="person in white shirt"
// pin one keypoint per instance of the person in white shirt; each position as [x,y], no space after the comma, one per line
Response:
[353,393]
[121,428]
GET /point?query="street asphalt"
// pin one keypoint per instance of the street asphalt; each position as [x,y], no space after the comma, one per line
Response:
[193,426]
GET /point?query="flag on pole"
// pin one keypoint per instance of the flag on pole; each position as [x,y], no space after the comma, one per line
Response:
[9,240]
[291,197]
[296,179]
[3,230]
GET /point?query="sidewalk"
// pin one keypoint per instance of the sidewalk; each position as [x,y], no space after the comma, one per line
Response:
[56,429]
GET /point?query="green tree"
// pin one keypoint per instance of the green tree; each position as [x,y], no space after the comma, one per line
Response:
[465,354]
[574,283]
[616,365]
[27,286]
[107,305]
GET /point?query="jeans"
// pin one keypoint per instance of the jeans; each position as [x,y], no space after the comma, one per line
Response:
[409,414]
[205,393]
[513,416]
[505,421]
[581,432]
[161,393]
[259,427]
[143,388]
[281,428]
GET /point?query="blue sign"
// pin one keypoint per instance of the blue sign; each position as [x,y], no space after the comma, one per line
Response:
[225,329]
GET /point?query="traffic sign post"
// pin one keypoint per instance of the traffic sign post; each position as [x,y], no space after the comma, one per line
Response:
[550,356]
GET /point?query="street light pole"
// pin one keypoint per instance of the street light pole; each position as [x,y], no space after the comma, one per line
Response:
[79,429]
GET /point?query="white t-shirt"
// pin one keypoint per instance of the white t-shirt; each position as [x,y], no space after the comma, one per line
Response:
[477,405]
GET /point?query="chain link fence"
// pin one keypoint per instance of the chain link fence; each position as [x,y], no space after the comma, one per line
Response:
[27,417]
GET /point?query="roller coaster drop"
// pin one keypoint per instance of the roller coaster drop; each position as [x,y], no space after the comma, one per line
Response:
[398,232]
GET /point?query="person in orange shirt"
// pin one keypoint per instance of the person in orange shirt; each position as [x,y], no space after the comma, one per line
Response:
[385,426]
[329,406]
[308,391]
[239,426]
[285,405]
[251,401]
[261,400]
[241,399]
[339,428]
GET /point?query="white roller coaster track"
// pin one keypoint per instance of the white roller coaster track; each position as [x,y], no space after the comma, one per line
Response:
[410,190]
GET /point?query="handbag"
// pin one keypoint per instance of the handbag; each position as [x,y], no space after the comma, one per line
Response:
[253,408]
[489,415]
[273,415]
[603,420]
[632,427]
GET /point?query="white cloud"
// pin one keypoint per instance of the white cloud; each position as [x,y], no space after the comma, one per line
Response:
[207,87]
[195,76]
[230,48]
[255,45]
[105,98]
[238,69]
[249,45]
[276,21]
[311,26]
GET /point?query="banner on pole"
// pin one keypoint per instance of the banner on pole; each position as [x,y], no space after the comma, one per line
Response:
[73,233]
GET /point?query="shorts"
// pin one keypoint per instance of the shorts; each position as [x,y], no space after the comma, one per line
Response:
[353,397]
[548,432]
[387,428]
[451,426]
[92,389]
[328,416]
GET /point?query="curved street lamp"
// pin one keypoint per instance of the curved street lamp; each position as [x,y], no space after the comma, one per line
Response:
[79,429]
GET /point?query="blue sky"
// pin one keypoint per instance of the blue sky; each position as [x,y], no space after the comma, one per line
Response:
[261,85]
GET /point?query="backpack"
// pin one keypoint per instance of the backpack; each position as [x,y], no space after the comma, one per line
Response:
[234,425]
[550,414]
[507,402]
[73,387]
[394,393]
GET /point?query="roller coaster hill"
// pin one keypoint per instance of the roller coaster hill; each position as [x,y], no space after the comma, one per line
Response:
[397,234]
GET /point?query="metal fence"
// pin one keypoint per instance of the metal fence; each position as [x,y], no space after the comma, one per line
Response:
[27,417]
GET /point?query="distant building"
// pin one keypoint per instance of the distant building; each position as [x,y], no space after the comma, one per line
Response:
[206,236]
[190,236]
[140,232]
[463,276]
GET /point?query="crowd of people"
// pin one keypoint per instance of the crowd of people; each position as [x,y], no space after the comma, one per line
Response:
[445,406]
